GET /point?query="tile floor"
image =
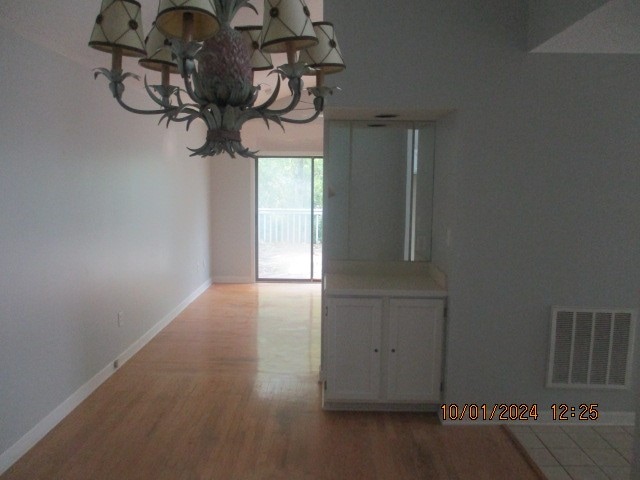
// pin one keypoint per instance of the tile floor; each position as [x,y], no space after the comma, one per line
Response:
[579,452]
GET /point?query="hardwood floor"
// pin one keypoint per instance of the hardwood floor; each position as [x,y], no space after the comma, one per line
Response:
[229,391]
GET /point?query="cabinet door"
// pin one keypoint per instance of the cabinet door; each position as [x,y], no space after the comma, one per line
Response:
[415,350]
[353,344]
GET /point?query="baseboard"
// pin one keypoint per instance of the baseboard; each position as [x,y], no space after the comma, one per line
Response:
[158,327]
[37,433]
[545,417]
[378,407]
[234,280]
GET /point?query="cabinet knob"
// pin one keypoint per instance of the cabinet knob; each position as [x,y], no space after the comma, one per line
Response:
[375,350]
[393,350]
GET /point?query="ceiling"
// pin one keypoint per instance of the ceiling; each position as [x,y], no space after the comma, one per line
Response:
[612,28]
[65,27]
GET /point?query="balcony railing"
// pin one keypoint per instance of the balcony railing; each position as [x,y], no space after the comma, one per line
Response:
[289,225]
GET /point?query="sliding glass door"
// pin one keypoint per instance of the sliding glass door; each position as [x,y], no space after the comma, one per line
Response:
[289,218]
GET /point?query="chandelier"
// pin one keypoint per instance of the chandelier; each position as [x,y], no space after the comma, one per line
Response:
[194,38]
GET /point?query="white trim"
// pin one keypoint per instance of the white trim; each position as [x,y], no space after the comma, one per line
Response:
[44,426]
[377,407]
[166,320]
[545,417]
[234,280]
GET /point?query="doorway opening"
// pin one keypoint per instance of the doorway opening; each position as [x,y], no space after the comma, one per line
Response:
[289,218]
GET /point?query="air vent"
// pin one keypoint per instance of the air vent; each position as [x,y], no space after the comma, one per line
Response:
[591,348]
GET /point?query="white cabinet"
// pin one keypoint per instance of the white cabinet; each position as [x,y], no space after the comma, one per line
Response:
[415,349]
[355,333]
[383,352]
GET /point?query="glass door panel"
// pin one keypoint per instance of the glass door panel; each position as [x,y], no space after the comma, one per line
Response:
[288,227]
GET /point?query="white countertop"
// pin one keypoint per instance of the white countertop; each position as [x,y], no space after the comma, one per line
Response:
[383,284]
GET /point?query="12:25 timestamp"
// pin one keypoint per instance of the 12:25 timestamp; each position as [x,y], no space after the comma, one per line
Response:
[584,411]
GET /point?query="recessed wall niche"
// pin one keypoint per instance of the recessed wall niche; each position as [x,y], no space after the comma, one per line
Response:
[378,190]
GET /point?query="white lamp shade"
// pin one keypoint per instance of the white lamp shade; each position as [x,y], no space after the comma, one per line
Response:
[170,18]
[326,56]
[287,24]
[158,52]
[259,60]
[119,25]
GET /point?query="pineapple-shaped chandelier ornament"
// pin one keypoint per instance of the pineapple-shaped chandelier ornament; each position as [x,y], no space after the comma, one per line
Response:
[216,62]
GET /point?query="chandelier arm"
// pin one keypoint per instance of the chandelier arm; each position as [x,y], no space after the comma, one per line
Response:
[189,112]
[186,108]
[165,93]
[272,98]
[185,53]
[171,113]
[116,79]
[152,95]
[263,111]
[188,88]
[301,121]
[164,111]
[190,116]
[270,115]
[178,97]
[188,119]
[295,100]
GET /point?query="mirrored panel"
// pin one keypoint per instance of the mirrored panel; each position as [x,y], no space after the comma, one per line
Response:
[379,191]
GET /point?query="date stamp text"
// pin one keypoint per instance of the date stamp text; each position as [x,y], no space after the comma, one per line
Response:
[517,412]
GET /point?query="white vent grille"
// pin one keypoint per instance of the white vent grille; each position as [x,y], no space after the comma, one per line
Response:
[591,348]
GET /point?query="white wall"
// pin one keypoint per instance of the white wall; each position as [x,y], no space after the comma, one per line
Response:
[233,219]
[537,179]
[101,211]
[233,194]
[295,140]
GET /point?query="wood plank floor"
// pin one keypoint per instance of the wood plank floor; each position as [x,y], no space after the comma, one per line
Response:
[229,391]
